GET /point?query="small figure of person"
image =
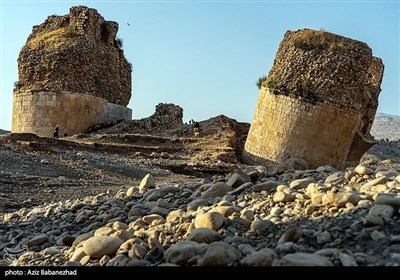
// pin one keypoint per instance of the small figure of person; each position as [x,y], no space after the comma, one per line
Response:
[56,131]
[196,129]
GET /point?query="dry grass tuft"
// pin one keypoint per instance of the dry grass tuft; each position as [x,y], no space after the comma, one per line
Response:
[316,39]
[64,36]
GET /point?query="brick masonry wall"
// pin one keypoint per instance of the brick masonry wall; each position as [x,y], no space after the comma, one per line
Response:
[74,112]
[285,127]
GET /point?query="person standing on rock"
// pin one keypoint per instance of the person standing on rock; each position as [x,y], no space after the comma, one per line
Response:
[196,130]
[56,131]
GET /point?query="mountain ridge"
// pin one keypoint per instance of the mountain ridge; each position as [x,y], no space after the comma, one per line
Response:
[4,131]
[386,115]
[386,126]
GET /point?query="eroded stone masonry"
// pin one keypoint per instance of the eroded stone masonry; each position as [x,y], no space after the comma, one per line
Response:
[72,72]
[318,102]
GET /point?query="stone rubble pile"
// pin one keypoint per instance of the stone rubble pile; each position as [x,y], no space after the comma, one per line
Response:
[166,116]
[251,217]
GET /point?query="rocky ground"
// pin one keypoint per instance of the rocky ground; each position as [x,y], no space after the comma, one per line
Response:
[162,197]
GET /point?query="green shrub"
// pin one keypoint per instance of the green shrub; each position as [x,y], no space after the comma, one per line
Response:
[304,89]
[71,30]
[260,81]
[272,84]
[16,84]
[298,43]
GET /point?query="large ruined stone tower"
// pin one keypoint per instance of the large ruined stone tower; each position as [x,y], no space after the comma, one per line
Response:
[317,103]
[72,72]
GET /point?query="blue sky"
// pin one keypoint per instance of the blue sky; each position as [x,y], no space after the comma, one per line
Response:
[207,55]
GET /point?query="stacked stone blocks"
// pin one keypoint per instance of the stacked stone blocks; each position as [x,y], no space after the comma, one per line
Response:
[288,127]
[74,112]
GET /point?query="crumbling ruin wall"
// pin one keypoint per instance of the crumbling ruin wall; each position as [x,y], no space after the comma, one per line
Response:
[317,103]
[166,116]
[76,54]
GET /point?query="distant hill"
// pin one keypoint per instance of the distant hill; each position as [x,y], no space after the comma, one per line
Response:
[386,126]
[3,131]
[386,115]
